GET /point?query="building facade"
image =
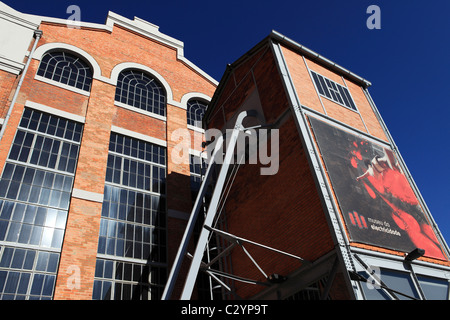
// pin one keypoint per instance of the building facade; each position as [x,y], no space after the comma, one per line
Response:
[329,209]
[92,204]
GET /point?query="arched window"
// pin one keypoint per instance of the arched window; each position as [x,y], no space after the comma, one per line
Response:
[67,69]
[195,111]
[136,88]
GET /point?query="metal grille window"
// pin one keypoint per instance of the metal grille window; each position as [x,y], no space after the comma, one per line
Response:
[126,280]
[333,91]
[27,274]
[137,89]
[197,167]
[133,223]
[195,111]
[35,190]
[67,69]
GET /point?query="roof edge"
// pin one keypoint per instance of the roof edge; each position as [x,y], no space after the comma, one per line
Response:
[276,36]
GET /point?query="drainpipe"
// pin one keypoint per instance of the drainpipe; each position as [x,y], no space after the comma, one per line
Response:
[37,36]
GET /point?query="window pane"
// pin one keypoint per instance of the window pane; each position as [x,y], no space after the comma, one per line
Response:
[137,89]
[399,281]
[65,68]
[124,227]
[195,111]
[333,91]
[433,288]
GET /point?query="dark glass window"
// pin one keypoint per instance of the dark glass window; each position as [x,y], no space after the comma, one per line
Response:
[434,288]
[138,89]
[27,274]
[133,223]
[195,111]
[197,167]
[66,68]
[333,91]
[116,280]
[401,282]
[35,190]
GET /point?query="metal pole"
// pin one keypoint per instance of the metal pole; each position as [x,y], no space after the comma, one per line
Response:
[191,225]
[204,234]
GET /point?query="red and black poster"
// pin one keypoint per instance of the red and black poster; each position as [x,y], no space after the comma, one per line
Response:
[374,195]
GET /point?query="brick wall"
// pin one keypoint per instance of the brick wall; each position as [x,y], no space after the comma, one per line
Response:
[284,210]
[365,120]
[7,82]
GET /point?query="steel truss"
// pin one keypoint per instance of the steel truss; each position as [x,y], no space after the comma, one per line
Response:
[221,184]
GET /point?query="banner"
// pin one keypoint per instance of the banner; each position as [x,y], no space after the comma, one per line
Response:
[376,200]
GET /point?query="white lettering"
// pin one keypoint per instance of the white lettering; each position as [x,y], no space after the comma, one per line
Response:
[74,21]
[73,281]
[193,310]
[374,21]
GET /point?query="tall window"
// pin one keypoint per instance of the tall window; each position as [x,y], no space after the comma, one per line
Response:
[35,190]
[67,69]
[137,89]
[197,168]
[131,260]
[333,91]
[195,111]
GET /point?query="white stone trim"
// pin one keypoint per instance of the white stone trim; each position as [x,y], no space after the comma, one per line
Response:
[41,50]
[133,65]
[77,24]
[54,111]
[139,136]
[144,28]
[11,66]
[198,70]
[87,195]
[198,153]
[62,85]
[192,95]
[141,111]
[194,128]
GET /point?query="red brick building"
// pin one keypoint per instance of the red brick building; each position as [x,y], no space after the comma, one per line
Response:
[337,216]
[92,205]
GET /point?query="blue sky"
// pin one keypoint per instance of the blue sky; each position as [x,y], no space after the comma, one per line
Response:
[407,60]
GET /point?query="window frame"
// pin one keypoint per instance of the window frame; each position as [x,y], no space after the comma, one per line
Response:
[121,94]
[125,148]
[42,224]
[189,114]
[50,80]
[338,92]
[380,262]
